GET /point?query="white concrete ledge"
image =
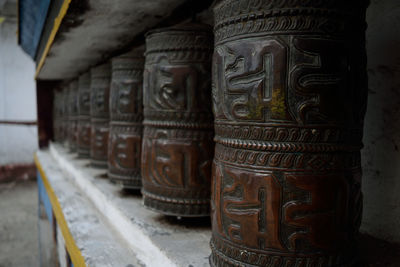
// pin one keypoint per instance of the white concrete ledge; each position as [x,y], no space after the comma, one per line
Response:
[94,240]
[155,239]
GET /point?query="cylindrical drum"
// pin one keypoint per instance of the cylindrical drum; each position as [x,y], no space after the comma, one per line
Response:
[73,116]
[289,98]
[84,115]
[126,116]
[57,115]
[99,114]
[65,115]
[178,130]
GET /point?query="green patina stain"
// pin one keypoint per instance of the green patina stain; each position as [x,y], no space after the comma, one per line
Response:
[277,105]
[255,110]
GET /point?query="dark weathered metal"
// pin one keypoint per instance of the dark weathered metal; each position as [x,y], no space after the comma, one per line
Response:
[126,116]
[99,114]
[57,115]
[289,97]
[177,139]
[73,116]
[65,115]
[84,126]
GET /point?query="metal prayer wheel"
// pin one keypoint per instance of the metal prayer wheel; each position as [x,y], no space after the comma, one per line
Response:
[65,115]
[99,114]
[57,115]
[126,116]
[73,116]
[178,131]
[289,98]
[84,126]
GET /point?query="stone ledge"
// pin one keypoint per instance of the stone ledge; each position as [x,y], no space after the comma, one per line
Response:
[157,240]
[83,232]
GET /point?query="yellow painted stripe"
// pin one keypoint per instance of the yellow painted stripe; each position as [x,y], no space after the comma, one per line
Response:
[54,30]
[73,250]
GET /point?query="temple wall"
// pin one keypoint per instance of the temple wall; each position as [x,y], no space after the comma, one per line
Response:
[381,153]
[17,99]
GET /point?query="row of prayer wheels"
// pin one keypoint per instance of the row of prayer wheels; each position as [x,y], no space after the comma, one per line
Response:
[263,117]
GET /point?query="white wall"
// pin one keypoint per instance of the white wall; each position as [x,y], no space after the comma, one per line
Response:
[17,98]
[381,154]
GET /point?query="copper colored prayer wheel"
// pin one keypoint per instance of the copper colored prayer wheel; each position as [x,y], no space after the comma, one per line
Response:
[99,114]
[57,113]
[289,98]
[65,115]
[178,131]
[73,116]
[84,125]
[126,116]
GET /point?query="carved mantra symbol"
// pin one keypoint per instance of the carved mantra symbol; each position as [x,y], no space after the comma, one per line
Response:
[126,97]
[85,100]
[99,137]
[322,218]
[98,100]
[177,87]
[250,81]
[74,102]
[172,163]
[253,83]
[247,209]
[75,131]
[84,135]
[126,151]
[320,77]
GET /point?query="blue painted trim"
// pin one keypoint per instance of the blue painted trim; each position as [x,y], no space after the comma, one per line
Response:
[32,18]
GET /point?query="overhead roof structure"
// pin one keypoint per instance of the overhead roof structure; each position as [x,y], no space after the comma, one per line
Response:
[79,34]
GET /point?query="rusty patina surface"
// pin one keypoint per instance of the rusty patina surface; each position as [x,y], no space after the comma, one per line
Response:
[64,115]
[57,115]
[99,114]
[126,117]
[178,131]
[84,126]
[73,116]
[289,98]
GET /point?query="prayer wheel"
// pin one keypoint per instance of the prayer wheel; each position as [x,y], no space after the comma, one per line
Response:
[65,115]
[57,116]
[99,114]
[178,132]
[84,125]
[289,99]
[73,116]
[126,116]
